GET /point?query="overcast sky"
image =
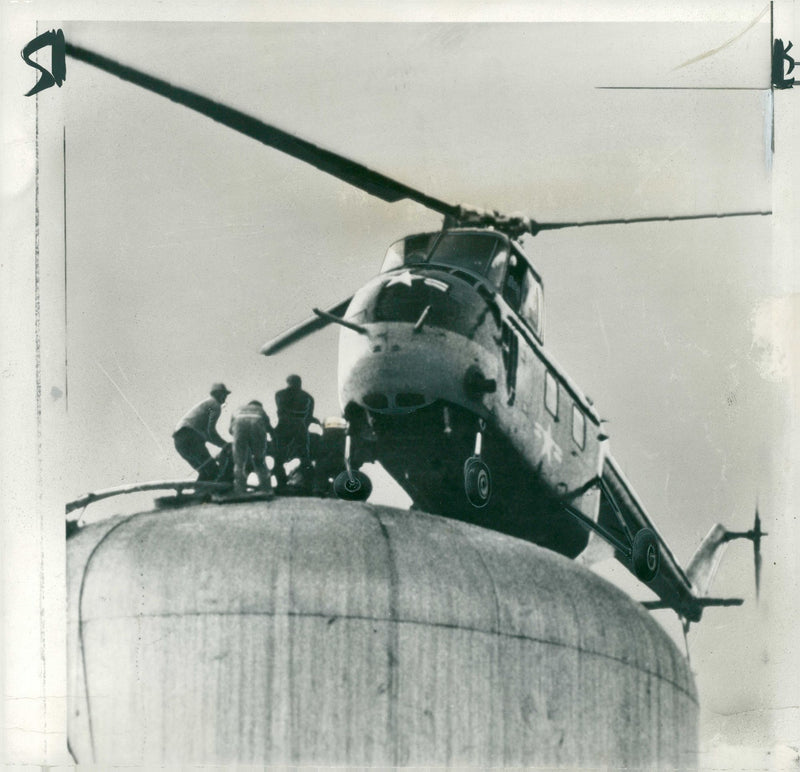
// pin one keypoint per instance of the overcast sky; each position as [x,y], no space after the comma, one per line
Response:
[188,247]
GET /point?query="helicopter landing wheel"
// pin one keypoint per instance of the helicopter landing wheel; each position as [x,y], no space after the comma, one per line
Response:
[646,555]
[477,482]
[352,486]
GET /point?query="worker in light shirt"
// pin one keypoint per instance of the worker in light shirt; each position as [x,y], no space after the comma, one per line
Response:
[198,427]
[249,427]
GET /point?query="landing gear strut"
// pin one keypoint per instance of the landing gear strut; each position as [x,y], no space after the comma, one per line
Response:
[351,485]
[477,478]
[642,548]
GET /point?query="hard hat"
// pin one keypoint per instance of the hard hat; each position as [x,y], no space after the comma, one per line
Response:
[334,422]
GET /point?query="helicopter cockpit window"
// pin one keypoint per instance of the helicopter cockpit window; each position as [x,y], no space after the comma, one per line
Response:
[484,254]
[408,251]
[497,267]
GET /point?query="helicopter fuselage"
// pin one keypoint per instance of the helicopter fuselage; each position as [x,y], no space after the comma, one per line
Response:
[446,343]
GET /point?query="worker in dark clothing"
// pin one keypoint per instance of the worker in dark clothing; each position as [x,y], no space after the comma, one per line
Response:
[249,427]
[198,427]
[295,415]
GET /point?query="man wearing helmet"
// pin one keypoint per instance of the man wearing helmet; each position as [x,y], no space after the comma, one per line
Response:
[198,427]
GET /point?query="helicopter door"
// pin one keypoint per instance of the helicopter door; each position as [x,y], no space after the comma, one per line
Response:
[510,348]
[512,292]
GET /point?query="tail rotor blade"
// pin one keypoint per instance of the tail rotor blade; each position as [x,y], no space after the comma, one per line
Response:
[757,559]
[757,534]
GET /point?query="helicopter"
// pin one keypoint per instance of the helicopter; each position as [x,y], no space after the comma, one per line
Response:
[445,380]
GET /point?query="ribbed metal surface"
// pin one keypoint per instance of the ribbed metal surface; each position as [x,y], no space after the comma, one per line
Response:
[310,631]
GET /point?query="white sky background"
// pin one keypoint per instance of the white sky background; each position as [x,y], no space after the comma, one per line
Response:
[189,246]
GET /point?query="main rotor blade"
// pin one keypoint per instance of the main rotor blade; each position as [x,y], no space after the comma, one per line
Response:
[536,227]
[303,330]
[352,172]
[356,174]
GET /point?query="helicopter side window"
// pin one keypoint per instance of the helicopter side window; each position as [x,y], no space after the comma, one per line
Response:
[512,289]
[530,307]
[523,292]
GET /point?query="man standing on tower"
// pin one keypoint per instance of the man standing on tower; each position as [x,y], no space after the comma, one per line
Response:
[295,414]
[249,427]
[198,427]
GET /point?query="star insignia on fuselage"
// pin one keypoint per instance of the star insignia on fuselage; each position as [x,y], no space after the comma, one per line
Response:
[550,448]
[402,278]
